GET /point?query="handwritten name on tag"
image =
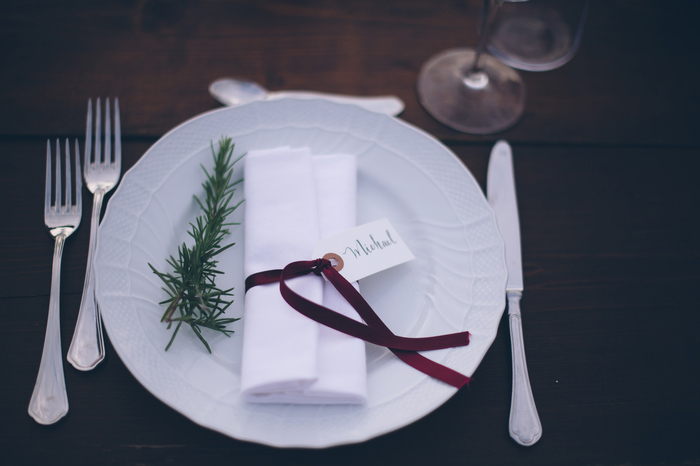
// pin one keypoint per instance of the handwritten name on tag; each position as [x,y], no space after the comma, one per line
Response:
[364,250]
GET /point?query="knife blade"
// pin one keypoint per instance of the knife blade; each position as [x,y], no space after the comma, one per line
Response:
[524,424]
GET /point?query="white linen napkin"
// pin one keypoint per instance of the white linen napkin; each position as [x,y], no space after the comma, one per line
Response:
[291,199]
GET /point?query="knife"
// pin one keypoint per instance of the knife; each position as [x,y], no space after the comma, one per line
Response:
[524,425]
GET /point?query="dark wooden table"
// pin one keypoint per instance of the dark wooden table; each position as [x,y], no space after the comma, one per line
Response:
[607,157]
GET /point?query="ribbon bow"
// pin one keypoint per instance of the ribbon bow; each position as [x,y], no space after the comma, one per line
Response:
[373,330]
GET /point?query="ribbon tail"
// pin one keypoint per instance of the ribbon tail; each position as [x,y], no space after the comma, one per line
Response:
[432,368]
[372,319]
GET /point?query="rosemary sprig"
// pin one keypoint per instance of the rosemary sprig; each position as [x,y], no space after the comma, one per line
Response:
[193,297]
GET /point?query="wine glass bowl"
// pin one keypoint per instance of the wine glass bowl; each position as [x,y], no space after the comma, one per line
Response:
[538,35]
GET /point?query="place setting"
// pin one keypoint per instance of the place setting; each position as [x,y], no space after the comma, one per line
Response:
[302,269]
[311,233]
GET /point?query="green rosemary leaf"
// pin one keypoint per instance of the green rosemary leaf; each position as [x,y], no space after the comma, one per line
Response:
[193,297]
[173,337]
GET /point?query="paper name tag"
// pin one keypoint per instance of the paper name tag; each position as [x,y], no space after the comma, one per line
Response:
[364,250]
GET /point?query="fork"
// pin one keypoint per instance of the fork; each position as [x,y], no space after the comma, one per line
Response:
[101,175]
[49,401]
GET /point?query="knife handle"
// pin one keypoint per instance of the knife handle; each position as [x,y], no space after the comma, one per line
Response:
[524,425]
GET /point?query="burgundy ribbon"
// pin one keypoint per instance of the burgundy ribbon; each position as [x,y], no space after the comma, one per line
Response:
[374,331]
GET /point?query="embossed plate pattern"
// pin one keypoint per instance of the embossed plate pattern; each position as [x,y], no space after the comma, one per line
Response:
[457,281]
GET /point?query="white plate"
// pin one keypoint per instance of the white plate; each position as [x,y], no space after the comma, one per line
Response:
[457,281]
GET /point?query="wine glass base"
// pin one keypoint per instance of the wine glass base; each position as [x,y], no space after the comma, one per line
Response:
[488,102]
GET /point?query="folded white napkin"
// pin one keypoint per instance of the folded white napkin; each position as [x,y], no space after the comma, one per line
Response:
[292,199]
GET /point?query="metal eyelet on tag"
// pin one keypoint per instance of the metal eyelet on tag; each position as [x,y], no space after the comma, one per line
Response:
[336,261]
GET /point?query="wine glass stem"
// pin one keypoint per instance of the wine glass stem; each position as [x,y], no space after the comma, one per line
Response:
[491,8]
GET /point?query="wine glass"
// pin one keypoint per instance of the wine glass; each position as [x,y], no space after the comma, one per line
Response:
[469,90]
[539,35]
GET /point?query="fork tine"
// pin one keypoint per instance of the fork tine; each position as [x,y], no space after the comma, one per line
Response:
[78,180]
[47,194]
[88,136]
[69,184]
[98,133]
[58,175]
[108,134]
[117,137]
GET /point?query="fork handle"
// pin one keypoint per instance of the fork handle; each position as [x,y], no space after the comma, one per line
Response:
[525,427]
[49,401]
[87,347]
